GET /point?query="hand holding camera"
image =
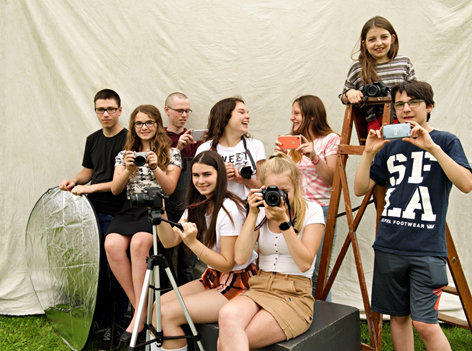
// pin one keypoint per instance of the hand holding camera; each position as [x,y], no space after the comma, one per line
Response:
[354,96]
[276,201]
[273,196]
[186,139]
[307,149]
[140,158]
[375,89]
[128,159]
[237,173]
[396,131]
[199,134]
[285,142]
[152,160]
[244,171]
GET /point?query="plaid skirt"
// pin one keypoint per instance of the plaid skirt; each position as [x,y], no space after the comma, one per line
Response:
[229,284]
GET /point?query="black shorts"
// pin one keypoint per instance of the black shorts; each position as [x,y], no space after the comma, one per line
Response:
[408,285]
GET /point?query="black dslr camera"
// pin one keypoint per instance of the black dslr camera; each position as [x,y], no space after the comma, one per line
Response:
[375,89]
[152,198]
[271,195]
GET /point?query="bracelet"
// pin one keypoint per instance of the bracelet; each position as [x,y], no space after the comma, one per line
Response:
[153,169]
[345,93]
[317,161]
[198,257]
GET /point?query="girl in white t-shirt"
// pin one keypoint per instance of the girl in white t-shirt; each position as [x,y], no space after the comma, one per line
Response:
[278,305]
[211,226]
[228,135]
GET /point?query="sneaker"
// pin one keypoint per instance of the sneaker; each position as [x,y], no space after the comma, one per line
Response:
[98,327]
[105,344]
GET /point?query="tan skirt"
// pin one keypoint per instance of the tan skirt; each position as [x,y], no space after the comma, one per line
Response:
[286,297]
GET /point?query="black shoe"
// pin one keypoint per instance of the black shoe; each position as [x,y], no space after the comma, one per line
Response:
[126,336]
[106,342]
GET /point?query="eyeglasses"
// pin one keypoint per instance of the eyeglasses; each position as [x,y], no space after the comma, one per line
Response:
[400,105]
[110,110]
[148,124]
[181,111]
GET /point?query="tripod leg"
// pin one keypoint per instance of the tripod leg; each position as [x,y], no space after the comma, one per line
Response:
[157,299]
[184,308]
[140,310]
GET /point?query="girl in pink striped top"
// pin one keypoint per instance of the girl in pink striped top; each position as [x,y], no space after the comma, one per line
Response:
[315,157]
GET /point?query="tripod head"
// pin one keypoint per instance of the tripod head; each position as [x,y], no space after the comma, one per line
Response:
[155,218]
[152,199]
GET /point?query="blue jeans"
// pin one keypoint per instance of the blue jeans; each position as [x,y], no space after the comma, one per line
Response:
[112,302]
[318,257]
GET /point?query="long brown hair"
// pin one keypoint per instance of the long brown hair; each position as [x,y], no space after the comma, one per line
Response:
[279,164]
[220,114]
[368,63]
[314,120]
[161,142]
[207,234]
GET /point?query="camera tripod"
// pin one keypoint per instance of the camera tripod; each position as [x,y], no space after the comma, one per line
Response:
[153,264]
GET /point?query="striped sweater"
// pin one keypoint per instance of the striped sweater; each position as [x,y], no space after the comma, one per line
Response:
[390,73]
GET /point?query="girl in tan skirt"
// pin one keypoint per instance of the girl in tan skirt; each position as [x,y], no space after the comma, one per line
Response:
[278,305]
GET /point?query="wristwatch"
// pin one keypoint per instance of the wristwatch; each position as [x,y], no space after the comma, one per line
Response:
[285,226]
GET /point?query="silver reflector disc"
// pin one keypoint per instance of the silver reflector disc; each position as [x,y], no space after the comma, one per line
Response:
[63,252]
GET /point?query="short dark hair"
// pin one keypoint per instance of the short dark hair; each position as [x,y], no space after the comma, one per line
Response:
[107,94]
[416,90]
[171,97]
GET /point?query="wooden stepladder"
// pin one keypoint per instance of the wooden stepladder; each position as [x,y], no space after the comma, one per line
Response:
[355,115]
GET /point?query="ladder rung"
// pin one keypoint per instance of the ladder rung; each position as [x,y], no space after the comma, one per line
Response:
[451,290]
[453,320]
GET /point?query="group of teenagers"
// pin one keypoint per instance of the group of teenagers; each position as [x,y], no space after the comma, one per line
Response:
[266,295]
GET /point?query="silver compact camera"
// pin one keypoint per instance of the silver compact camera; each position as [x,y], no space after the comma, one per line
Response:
[140,158]
[396,131]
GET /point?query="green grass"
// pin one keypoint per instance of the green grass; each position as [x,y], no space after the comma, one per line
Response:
[36,333]
[460,339]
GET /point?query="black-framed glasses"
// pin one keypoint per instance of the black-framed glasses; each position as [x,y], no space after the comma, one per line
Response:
[110,110]
[181,111]
[400,105]
[148,124]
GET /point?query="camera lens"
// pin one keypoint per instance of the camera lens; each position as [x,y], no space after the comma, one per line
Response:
[140,160]
[138,200]
[372,90]
[272,198]
[246,172]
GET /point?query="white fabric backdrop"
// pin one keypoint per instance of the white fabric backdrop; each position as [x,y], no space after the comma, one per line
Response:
[55,55]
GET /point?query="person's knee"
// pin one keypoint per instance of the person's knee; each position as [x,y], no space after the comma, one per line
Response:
[227,316]
[141,244]
[426,330]
[169,316]
[113,247]
[400,320]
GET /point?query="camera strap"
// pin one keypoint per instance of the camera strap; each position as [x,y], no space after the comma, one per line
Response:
[201,202]
[249,154]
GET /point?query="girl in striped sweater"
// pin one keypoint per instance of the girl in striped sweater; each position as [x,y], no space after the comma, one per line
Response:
[378,61]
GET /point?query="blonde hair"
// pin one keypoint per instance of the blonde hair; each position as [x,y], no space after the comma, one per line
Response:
[280,163]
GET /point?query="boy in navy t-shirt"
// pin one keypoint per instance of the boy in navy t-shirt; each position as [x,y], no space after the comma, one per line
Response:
[410,248]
